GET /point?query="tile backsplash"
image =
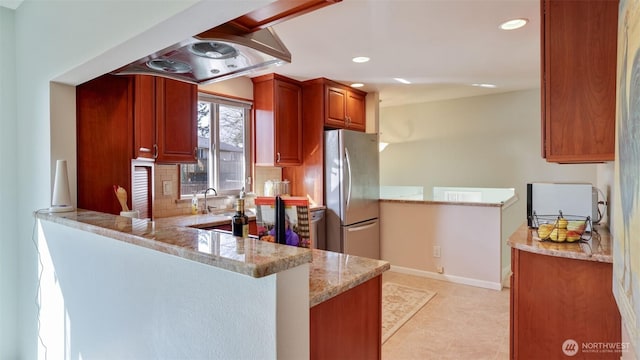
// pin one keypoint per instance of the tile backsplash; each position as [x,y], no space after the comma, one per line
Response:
[171,204]
[264,173]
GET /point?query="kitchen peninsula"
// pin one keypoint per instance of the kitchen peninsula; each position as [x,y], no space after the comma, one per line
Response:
[214,295]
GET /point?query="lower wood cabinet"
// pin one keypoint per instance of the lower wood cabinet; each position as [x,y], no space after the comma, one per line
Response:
[349,326]
[555,300]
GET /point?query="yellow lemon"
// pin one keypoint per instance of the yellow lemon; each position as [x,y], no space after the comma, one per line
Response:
[562,223]
[544,230]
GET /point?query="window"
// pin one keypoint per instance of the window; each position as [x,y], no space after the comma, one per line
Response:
[223,147]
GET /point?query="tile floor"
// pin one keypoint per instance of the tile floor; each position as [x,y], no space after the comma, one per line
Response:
[460,322]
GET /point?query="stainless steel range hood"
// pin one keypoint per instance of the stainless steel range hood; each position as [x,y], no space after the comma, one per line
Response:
[214,55]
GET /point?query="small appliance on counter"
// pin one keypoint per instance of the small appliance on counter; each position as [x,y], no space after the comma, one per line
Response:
[276,187]
[577,199]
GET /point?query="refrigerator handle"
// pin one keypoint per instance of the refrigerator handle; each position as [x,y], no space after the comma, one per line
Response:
[348,164]
[362,227]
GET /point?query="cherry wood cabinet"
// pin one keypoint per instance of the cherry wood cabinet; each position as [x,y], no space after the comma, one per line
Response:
[277,107]
[176,121]
[349,326]
[144,115]
[578,80]
[165,119]
[104,125]
[340,106]
[124,124]
[554,299]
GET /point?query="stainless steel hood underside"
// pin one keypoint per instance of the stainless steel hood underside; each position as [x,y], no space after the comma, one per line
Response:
[214,55]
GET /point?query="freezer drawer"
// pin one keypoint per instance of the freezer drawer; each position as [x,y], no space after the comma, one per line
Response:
[362,239]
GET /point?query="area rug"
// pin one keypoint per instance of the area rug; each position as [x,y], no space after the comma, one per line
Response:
[399,304]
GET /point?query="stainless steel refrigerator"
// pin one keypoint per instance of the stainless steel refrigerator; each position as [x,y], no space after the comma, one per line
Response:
[352,190]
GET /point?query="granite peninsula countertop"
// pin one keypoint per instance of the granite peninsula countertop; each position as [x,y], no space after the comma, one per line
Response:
[333,273]
[598,248]
[330,273]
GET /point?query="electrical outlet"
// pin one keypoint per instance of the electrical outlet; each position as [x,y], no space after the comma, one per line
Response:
[436,251]
[166,187]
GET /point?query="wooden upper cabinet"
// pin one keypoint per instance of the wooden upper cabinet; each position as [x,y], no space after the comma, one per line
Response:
[277,121]
[336,106]
[122,123]
[176,121]
[144,115]
[356,110]
[104,129]
[579,80]
[342,107]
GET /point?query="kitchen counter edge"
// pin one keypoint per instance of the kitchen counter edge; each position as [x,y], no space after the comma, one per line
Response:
[598,248]
[182,241]
[333,273]
[330,273]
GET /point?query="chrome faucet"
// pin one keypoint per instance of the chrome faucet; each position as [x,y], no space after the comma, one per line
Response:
[207,210]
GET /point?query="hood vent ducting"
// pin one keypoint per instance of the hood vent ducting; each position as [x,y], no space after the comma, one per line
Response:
[214,55]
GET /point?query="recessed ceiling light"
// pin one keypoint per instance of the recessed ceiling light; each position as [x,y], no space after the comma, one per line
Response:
[402,80]
[488,86]
[360,59]
[513,24]
[357,85]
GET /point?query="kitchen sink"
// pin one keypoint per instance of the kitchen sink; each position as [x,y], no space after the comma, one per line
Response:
[230,212]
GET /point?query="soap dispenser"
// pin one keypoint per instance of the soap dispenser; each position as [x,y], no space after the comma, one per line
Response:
[194,204]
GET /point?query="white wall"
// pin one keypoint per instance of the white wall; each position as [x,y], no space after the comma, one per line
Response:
[8,189]
[75,41]
[468,237]
[483,141]
[102,298]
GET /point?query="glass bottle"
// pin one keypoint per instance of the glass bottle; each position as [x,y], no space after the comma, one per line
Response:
[240,221]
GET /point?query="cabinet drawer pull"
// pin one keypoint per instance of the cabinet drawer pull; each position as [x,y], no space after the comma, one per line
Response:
[278,157]
[195,153]
[155,151]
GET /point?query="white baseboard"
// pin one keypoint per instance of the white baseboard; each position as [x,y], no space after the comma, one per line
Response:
[450,278]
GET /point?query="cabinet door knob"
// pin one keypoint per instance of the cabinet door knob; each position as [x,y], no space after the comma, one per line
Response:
[278,157]
[155,151]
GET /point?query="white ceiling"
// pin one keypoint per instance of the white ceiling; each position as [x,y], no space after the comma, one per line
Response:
[441,46]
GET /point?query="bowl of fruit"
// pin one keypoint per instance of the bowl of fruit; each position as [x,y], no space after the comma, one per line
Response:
[559,228]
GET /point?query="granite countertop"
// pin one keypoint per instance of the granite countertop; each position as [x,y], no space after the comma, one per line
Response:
[330,273]
[246,256]
[333,273]
[598,248]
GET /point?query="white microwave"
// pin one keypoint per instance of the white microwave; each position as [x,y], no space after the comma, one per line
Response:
[576,199]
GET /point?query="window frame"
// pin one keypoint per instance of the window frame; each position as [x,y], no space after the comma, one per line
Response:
[213,165]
